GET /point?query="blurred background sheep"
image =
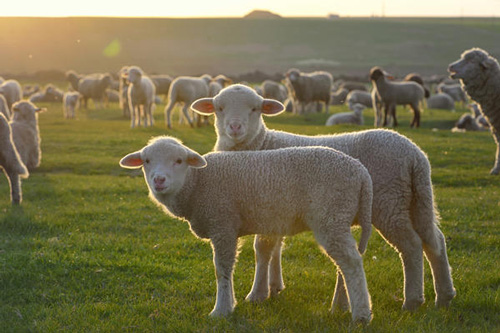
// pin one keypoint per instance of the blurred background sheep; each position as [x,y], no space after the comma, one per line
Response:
[307,88]
[12,91]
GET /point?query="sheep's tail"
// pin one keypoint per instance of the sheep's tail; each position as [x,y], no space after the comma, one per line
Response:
[365,213]
[424,214]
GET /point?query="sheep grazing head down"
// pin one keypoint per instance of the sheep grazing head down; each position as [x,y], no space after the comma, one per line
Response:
[165,163]
[238,111]
[25,111]
[473,63]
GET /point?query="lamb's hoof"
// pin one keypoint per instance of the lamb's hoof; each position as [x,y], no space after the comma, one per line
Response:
[444,301]
[494,172]
[362,318]
[275,290]
[340,307]
[412,305]
[218,313]
[255,297]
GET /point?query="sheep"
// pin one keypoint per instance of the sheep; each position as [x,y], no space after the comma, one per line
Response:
[186,89]
[338,97]
[12,91]
[73,78]
[377,107]
[141,94]
[223,80]
[162,83]
[454,90]
[26,134]
[94,86]
[441,101]
[29,90]
[479,75]
[468,123]
[476,112]
[4,108]
[350,86]
[49,94]
[404,211]
[415,77]
[71,102]
[123,91]
[10,162]
[355,117]
[112,96]
[337,188]
[397,93]
[310,87]
[359,97]
[274,90]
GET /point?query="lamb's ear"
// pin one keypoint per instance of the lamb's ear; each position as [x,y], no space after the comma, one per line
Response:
[204,106]
[132,161]
[195,160]
[41,110]
[271,107]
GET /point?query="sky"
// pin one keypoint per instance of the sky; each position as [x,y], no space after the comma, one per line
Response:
[231,8]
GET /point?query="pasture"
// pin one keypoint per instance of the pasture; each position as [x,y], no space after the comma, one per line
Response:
[88,251]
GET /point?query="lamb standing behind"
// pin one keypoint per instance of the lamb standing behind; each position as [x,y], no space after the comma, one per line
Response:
[26,134]
[186,89]
[246,203]
[12,91]
[309,87]
[141,95]
[479,74]
[71,102]
[355,117]
[10,162]
[404,211]
[441,101]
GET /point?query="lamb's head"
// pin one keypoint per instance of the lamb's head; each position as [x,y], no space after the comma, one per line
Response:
[206,77]
[133,74]
[25,111]
[165,162]
[472,65]
[292,74]
[376,73]
[238,111]
[358,109]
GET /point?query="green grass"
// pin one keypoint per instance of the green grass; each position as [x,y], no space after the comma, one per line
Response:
[88,251]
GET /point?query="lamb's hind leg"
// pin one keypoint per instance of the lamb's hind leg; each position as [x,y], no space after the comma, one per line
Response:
[496,167]
[268,277]
[342,248]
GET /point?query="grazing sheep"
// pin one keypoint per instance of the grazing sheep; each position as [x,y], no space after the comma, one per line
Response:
[441,101]
[479,75]
[404,211]
[359,97]
[454,90]
[397,93]
[94,86]
[338,97]
[29,90]
[162,83]
[25,133]
[186,89]
[71,102]
[49,94]
[309,87]
[355,117]
[319,189]
[12,91]
[10,162]
[4,108]
[274,90]
[415,77]
[476,112]
[141,95]
[350,86]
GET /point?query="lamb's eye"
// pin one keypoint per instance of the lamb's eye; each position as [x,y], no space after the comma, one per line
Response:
[220,109]
[254,109]
[147,161]
[179,161]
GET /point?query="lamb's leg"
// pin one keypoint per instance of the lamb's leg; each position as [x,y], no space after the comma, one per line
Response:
[276,284]
[342,248]
[15,188]
[496,168]
[185,110]
[416,116]
[264,247]
[386,111]
[168,111]
[132,115]
[436,255]
[394,118]
[224,249]
[340,300]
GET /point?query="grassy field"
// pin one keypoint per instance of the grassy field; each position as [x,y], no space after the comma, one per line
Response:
[235,46]
[87,251]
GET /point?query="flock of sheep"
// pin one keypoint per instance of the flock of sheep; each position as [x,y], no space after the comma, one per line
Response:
[326,183]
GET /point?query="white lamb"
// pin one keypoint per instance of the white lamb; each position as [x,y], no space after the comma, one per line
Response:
[355,117]
[403,202]
[10,162]
[186,89]
[141,95]
[71,102]
[12,91]
[25,133]
[319,189]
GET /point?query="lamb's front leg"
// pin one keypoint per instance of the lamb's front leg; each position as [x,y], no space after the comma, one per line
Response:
[224,249]
[268,278]
[496,168]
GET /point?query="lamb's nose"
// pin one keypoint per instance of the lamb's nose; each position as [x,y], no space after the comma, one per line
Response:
[159,180]
[235,127]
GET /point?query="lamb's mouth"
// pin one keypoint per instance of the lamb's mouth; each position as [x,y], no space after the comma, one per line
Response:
[453,74]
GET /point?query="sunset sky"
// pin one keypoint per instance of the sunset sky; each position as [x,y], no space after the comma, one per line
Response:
[231,8]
